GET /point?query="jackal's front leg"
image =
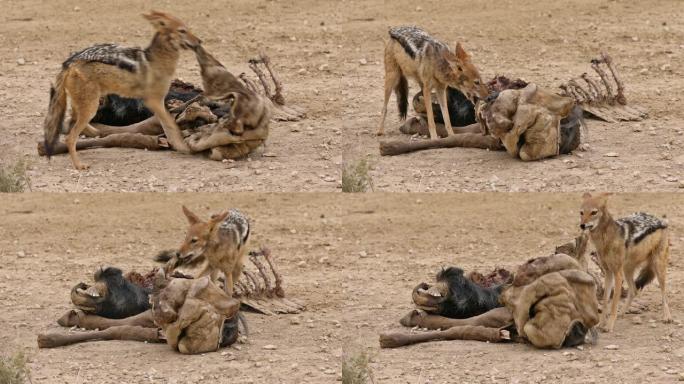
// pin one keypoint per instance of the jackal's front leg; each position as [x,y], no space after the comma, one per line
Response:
[427,98]
[171,130]
[442,99]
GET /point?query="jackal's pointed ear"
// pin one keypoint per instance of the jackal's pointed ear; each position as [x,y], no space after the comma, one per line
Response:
[156,18]
[192,218]
[219,217]
[461,54]
[603,197]
[449,56]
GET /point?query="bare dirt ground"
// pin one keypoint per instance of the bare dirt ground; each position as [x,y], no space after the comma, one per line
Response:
[352,260]
[329,54]
[547,43]
[310,43]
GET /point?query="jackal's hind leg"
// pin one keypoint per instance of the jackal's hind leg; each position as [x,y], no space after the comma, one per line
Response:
[392,78]
[84,109]
[661,274]
[631,285]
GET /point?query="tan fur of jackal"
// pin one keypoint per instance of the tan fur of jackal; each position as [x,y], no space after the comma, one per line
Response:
[85,81]
[620,256]
[434,68]
[222,249]
[251,112]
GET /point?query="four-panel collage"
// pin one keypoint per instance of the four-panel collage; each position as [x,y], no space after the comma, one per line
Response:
[354,191]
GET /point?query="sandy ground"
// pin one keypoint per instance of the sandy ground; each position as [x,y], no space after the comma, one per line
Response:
[548,43]
[329,54]
[308,41]
[352,260]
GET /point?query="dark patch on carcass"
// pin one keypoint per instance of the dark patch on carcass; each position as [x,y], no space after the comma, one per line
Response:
[465,298]
[120,111]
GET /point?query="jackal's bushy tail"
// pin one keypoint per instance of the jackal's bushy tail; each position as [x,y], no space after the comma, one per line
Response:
[401,91]
[646,275]
[54,120]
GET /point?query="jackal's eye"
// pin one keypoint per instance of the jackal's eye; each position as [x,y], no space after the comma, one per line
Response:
[581,213]
[594,212]
[193,240]
[182,30]
[458,67]
[477,82]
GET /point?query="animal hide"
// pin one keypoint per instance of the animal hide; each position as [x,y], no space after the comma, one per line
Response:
[553,302]
[527,121]
[191,313]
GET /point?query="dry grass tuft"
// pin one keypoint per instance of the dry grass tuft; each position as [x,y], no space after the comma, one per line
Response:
[355,369]
[356,177]
[13,370]
[13,178]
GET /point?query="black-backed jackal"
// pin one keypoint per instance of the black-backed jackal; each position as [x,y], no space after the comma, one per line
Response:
[222,241]
[129,72]
[411,52]
[636,241]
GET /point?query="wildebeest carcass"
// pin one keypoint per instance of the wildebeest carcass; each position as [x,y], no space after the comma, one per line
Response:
[159,305]
[529,122]
[191,315]
[550,302]
[456,296]
[224,125]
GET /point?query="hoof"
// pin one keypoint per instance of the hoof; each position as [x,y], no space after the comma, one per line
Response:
[390,340]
